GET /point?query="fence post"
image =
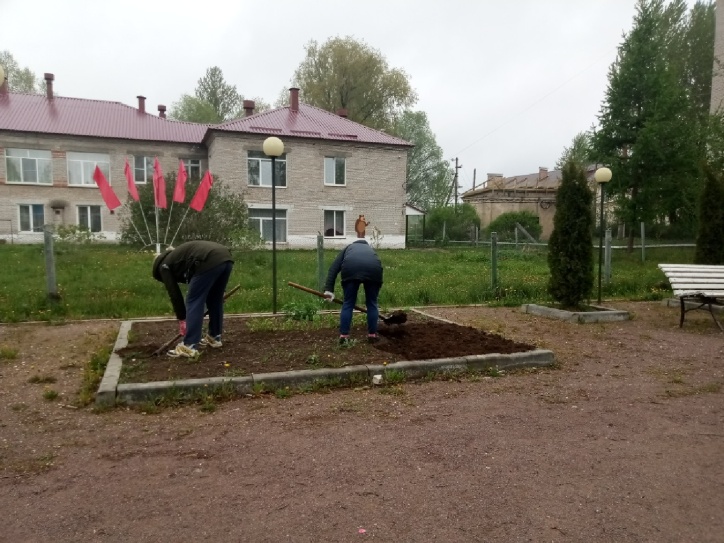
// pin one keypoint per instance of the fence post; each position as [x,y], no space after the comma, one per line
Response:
[320,261]
[50,279]
[516,238]
[494,259]
[643,242]
[444,228]
[607,257]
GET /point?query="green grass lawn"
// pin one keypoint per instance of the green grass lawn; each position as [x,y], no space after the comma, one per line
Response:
[110,281]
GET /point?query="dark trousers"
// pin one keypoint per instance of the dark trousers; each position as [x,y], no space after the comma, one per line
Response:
[206,289]
[372,292]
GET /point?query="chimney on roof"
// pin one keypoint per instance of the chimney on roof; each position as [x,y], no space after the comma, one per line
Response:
[294,99]
[249,106]
[342,113]
[141,104]
[4,86]
[494,176]
[542,173]
[162,111]
[49,78]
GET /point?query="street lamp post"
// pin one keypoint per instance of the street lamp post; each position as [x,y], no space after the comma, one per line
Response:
[274,148]
[602,176]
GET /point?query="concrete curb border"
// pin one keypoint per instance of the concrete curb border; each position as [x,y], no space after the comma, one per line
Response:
[111,392]
[604,314]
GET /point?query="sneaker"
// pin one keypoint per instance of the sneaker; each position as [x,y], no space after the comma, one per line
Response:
[373,338]
[183,351]
[344,340]
[210,341]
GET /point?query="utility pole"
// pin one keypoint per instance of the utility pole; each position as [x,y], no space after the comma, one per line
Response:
[455,182]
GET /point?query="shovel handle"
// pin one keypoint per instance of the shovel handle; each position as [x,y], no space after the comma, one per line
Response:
[321,295]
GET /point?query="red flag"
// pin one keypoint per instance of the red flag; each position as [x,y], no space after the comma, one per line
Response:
[131,183]
[109,197]
[202,193]
[179,191]
[159,185]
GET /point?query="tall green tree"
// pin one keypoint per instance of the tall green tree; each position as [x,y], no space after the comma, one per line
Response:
[580,151]
[648,133]
[344,73]
[429,176]
[213,102]
[19,79]
[570,248]
[710,238]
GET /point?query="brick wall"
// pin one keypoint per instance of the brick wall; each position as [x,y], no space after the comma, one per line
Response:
[12,195]
[375,178]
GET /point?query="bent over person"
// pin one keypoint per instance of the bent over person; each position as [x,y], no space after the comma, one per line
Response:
[359,265]
[206,267]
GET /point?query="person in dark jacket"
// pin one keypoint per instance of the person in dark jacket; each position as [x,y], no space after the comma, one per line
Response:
[359,265]
[206,267]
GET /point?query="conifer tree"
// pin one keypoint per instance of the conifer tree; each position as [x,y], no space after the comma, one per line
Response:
[570,248]
[710,239]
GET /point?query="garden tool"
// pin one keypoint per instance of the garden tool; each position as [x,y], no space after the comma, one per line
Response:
[162,348]
[396,317]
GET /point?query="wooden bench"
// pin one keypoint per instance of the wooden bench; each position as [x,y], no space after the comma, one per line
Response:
[700,284]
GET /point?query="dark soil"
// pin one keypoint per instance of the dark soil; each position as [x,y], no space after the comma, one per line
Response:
[296,345]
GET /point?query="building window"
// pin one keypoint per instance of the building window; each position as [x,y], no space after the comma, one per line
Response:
[28,166]
[143,169]
[82,165]
[32,218]
[334,170]
[193,167]
[90,217]
[259,168]
[261,221]
[333,223]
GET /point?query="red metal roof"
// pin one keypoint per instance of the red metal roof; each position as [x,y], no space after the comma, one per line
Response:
[308,122]
[97,118]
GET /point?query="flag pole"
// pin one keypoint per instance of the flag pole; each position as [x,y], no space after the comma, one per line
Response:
[168,223]
[179,224]
[150,238]
[158,238]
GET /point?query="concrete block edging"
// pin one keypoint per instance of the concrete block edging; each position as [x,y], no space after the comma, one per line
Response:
[111,392]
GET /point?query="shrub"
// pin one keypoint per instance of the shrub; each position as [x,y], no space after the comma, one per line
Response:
[456,222]
[504,225]
[570,248]
[224,218]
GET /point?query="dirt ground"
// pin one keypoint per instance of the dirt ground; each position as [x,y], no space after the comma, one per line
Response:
[248,350]
[621,443]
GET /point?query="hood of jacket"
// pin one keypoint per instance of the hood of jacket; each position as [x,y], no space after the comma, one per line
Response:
[157,264]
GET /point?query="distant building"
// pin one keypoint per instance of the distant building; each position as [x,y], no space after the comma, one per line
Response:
[535,192]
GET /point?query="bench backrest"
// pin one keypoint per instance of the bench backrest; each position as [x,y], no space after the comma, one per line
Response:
[691,279]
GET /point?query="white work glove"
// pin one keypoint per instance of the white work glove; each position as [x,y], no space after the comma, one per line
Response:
[329,296]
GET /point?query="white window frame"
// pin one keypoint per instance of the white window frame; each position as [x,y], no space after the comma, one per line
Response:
[263,166]
[258,223]
[81,167]
[192,164]
[41,159]
[89,223]
[331,166]
[146,167]
[344,222]
[31,217]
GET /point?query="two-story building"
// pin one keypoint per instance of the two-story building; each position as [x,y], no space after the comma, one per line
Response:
[332,170]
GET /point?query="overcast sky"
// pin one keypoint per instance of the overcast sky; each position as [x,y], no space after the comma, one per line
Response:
[506,84]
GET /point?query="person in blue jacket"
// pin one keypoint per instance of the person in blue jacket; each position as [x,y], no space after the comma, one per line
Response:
[359,265]
[206,267]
